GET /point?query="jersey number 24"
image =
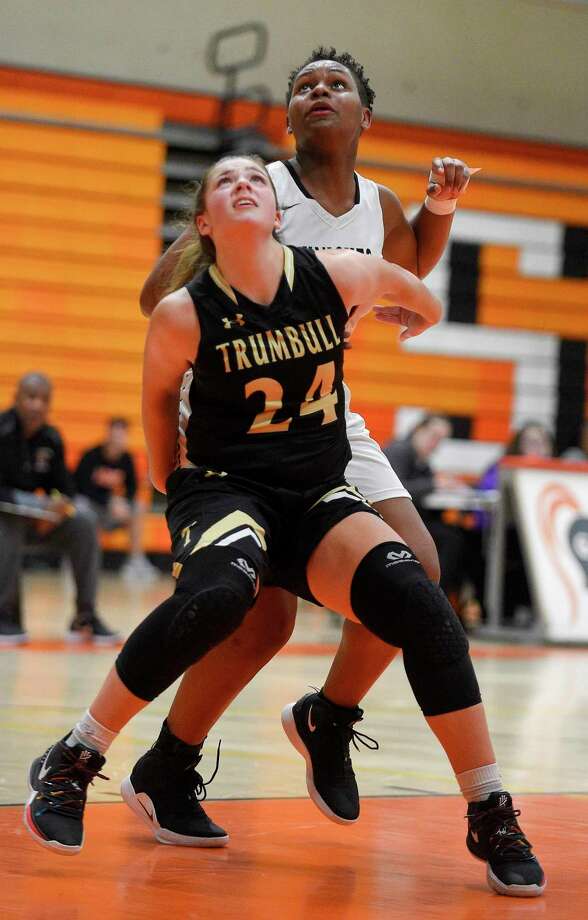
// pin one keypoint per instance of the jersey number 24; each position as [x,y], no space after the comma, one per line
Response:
[321,397]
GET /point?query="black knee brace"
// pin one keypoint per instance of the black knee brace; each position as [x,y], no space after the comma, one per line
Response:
[392,596]
[216,588]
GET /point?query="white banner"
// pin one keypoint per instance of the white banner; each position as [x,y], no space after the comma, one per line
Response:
[552,514]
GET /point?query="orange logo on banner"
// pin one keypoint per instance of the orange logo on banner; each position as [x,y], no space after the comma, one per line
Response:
[553,498]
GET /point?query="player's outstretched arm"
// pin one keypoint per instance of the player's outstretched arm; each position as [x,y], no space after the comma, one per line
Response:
[170,346]
[367,279]
[419,244]
[156,284]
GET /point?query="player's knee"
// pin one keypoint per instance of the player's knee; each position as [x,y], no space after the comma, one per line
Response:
[216,588]
[261,638]
[392,596]
[281,627]
[273,626]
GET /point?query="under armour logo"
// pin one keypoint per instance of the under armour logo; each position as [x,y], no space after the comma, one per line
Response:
[85,755]
[237,321]
[503,800]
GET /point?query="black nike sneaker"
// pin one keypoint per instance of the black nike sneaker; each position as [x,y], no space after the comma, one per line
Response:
[59,782]
[495,836]
[164,791]
[322,733]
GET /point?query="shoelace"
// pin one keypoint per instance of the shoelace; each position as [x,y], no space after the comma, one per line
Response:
[349,735]
[62,793]
[508,838]
[356,738]
[194,778]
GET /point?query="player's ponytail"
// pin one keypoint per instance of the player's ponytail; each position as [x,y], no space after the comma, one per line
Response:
[192,260]
[198,253]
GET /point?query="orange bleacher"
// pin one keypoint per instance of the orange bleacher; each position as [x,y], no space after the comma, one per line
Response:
[79,230]
[80,212]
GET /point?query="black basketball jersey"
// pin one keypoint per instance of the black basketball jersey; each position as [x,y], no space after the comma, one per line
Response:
[266,400]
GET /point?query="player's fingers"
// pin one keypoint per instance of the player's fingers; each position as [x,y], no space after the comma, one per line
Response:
[388,317]
[433,188]
[449,169]
[464,175]
[463,178]
[436,175]
[437,167]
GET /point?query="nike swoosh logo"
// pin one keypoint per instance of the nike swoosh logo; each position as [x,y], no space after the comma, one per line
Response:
[44,769]
[474,836]
[288,206]
[310,723]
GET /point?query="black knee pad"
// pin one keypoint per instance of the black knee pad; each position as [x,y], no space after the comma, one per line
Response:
[216,588]
[392,596]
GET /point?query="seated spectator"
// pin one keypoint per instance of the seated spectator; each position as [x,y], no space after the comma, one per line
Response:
[532,440]
[410,459]
[32,461]
[106,476]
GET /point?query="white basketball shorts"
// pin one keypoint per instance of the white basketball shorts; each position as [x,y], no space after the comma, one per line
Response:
[368,469]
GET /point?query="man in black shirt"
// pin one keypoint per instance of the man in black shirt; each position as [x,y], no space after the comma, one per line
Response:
[106,476]
[32,461]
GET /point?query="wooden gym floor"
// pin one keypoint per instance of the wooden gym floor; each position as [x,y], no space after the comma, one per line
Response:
[404,858]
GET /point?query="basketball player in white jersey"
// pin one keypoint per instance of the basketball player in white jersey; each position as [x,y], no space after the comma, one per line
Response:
[325,204]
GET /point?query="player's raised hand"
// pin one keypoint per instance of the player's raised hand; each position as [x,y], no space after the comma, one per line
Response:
[449,178]
[412,323]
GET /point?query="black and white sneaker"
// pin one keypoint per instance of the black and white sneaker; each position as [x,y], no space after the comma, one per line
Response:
[164,790]
[495,836]
[88,627]
[322,732]
[59,782]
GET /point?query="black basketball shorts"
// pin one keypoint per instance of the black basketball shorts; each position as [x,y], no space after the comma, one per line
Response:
[275,530]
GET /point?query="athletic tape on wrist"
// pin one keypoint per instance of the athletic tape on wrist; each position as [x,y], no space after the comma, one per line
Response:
[447,206]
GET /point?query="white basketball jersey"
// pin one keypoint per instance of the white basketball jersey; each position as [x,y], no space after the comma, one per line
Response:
[306,223]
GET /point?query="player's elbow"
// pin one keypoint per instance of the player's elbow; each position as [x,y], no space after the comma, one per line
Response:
[158,478]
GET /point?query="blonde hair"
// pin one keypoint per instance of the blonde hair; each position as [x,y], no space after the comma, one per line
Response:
[199,251]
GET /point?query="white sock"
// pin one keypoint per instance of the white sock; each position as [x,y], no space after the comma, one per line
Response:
[91,734]
[477,785]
